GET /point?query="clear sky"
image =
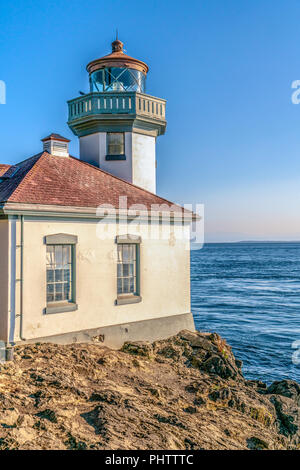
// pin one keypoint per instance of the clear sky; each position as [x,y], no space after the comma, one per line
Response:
[225,67]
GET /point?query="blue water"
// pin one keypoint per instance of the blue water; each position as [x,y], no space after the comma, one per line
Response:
[249,293]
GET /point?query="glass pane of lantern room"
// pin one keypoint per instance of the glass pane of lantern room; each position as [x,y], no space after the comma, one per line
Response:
[96,81]
[118,79]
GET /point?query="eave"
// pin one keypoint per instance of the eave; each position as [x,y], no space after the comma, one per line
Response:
[41,210]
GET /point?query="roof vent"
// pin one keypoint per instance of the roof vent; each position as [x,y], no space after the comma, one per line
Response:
[56,145]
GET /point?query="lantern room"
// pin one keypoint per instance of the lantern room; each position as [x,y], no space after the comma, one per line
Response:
[117,72]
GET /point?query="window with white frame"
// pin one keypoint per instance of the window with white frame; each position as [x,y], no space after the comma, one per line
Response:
[59,273]
[127,269]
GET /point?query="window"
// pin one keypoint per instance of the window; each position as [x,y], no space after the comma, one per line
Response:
[117,78]
[128,271]
[60,273]
[115,144]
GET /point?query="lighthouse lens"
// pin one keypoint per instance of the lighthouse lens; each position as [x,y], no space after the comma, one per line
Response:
[116,79]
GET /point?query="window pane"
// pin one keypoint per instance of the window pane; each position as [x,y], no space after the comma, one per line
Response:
[50,255]
[67,291]
[50,288]
[126,285]
[115,143]
[120,272]
[119,253]
[50,275]
[126,253]
[117,78]
[66,255]
[59,273]
[50,293]
[125,269]
[59,288]
[58,297]
[58,255]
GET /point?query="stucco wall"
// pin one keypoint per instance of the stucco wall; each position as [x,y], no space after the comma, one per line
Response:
[93,150]
[139,167]
[90,148]
[143,161]
[164,274]
[4,275]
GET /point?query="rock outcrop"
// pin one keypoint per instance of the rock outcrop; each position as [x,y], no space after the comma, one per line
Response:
[185,392]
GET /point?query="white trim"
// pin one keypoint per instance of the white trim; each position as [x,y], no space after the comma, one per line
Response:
[70,211]
[13,249]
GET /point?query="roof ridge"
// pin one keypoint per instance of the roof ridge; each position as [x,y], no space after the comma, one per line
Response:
[22,161]
[123,181]
[29,158]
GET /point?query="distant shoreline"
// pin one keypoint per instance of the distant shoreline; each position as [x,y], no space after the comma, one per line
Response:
[253,242]
[268,241]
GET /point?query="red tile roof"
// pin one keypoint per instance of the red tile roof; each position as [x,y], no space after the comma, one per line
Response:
[66,181]
[3,168]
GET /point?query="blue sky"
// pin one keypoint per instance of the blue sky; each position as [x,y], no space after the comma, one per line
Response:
[224,66]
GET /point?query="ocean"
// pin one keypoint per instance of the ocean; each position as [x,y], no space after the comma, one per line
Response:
[249,293]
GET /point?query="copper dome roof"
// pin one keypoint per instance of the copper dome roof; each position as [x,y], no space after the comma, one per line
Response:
[117,58]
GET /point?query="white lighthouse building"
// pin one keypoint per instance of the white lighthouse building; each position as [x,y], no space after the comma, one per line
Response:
[71,272]
[117,123]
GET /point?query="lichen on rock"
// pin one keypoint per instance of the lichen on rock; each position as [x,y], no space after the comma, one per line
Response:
[183,392]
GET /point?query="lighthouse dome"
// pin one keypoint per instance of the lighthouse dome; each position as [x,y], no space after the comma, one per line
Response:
[117,72]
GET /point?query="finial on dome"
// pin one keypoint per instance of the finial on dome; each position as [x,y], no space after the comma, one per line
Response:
[117,45]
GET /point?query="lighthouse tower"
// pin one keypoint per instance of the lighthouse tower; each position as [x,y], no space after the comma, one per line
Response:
[117,122]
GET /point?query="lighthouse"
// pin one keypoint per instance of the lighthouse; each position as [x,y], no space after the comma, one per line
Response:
[112,282]
[117,122]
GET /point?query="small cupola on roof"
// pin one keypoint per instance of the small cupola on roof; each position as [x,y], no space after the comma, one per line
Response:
[117,72]
[56,145]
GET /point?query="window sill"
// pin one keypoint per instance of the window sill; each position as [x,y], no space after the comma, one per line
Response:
[115,157]
[61,307]
[128,299]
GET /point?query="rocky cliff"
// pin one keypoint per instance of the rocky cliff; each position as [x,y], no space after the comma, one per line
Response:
[185,392]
